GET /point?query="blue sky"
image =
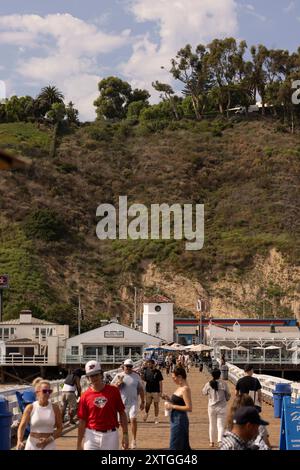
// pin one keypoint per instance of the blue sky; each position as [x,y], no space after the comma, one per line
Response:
[75,43]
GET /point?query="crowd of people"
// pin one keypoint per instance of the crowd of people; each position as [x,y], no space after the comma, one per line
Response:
[105,407]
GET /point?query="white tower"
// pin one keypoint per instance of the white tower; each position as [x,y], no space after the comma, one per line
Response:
[158,317]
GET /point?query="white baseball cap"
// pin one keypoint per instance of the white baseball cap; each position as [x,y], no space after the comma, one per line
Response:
[92,368]
[128,362]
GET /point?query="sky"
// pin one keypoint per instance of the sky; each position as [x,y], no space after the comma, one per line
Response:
[73,44]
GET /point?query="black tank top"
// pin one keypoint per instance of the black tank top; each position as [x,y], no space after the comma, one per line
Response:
[176,400]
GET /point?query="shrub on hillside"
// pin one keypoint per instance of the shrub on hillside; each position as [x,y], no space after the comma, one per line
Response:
[45,224]
[135,108]
[100,131]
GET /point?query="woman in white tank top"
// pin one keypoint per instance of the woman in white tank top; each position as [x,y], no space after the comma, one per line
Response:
[44,419]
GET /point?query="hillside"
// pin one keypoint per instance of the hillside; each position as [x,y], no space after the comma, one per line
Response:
[246,173]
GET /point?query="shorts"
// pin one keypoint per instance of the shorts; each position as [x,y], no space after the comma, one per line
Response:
[69,398]
[131,410]
[152,396]
[94,440]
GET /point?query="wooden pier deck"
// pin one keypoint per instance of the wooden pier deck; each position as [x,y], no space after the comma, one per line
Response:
[156,436]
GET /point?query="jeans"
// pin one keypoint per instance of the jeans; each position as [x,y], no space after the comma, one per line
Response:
[179,437]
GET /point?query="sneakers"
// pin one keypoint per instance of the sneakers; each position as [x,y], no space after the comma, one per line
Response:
[156,421]
[145,417]
[133,445]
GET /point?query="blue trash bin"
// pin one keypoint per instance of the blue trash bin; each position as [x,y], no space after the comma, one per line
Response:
[5,424]
[281,390]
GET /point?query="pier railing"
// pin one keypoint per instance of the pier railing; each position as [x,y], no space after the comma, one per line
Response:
[19,360]
[103,359]
[56,386]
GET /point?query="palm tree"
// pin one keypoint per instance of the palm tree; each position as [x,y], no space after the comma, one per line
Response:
[48,96]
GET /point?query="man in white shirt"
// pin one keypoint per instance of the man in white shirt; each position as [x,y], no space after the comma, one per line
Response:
[131,386]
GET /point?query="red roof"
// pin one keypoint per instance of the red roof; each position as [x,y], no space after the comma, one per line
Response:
[158,299]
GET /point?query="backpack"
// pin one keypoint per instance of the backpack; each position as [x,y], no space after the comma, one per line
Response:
[70,379]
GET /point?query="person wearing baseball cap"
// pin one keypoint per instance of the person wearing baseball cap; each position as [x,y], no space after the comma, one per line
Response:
[246,421]
[98,412]
[131,386]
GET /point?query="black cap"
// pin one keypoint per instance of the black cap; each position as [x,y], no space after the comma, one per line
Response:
[248,414]
[248,367]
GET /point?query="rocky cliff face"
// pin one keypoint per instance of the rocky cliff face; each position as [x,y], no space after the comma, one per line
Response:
[270,288]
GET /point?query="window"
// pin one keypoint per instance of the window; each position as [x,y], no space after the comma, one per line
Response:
[43,334]
[92,351]
[133,349]
[6,333]
[37,333]
[157,308]
[157,328]
[74,350]
[49,332]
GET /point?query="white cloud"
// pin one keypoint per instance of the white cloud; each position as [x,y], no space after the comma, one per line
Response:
[290,7]
[178,22]
[71,49]
[250,9]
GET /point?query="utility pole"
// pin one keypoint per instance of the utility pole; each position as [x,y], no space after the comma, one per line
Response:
[79,315]
[134,318]
[1,304]
[4,281]
[199,309]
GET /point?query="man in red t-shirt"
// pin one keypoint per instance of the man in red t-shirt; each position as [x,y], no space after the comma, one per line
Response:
[98,414]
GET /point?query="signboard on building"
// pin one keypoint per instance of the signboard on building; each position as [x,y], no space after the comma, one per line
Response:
[3,281]
[113,334]
[290,425]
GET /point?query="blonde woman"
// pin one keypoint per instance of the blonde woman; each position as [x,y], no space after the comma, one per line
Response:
[44,419]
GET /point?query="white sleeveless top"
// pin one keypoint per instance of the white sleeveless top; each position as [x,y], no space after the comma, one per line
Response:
[42,418]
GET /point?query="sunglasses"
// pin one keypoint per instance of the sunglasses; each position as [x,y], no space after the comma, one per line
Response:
[46,390]
[130,367]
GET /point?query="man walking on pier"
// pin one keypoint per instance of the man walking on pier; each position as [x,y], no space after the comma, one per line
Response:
[131,386]
[251,386]
[153,378]
[70,393]
[98,414]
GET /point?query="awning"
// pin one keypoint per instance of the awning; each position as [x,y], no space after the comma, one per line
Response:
[273,347]
[239,348]
[226,348]
[152,348]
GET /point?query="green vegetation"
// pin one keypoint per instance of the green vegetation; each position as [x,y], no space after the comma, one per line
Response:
[247,177]
[25,138]
[28,286]
[45,225]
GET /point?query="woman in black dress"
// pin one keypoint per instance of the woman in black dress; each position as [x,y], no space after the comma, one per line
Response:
[179,404]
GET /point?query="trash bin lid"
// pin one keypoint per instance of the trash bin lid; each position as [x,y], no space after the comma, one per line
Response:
[283,388]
